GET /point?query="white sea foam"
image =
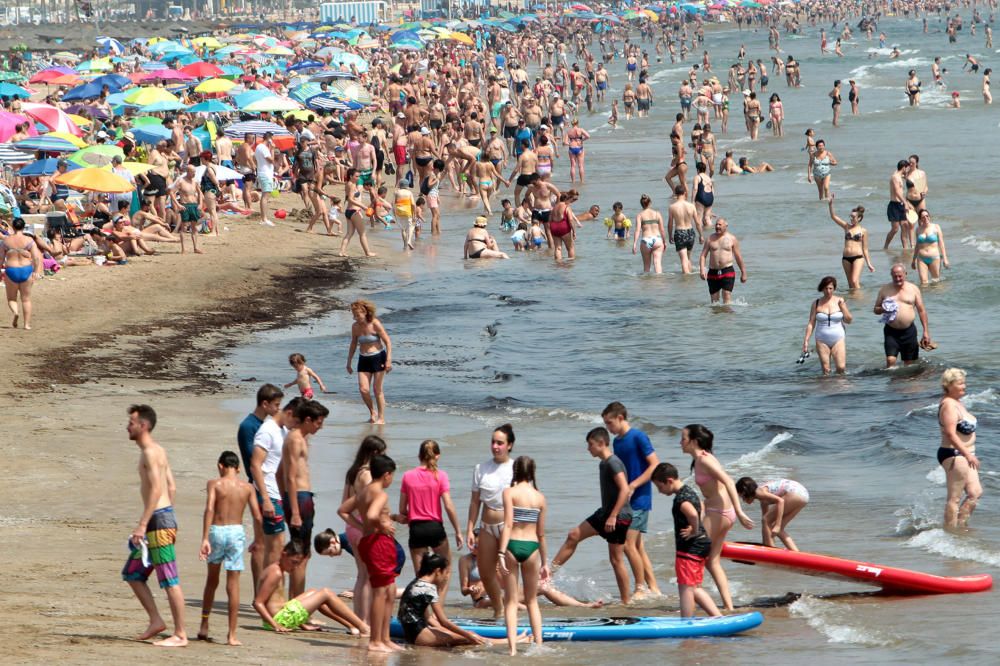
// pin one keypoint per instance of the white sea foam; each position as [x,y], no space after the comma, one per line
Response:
[756,461]
[983,245]
[985,397]
[939,542]
[834,621]
[923,514]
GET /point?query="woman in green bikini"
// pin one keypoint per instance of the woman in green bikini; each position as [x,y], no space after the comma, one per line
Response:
[522,544]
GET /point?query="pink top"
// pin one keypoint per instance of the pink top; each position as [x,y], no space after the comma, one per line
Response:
[423,493]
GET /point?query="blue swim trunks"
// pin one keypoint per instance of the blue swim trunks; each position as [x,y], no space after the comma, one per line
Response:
[228,543]
[640,520]
[275,525]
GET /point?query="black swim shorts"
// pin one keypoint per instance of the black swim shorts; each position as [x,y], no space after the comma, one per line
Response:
[721,279]
[901,342]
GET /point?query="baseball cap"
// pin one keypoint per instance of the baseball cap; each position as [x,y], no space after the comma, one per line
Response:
[401,115]
[424,130]
[493,130]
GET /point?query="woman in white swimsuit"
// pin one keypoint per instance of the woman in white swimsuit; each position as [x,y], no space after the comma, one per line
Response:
[489,481]
[649,236]
[827,317]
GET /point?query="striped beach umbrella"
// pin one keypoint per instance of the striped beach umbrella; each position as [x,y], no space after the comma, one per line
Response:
[257,127]
[11,155]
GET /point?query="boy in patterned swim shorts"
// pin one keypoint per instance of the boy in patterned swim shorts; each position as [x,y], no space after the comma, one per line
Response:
[284,617]
[223,541]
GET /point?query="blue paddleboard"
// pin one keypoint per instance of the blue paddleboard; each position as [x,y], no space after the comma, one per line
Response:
[615,628]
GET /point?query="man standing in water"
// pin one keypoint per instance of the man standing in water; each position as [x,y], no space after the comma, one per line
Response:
[898,206]
[899,303]
[682,218]
[152,541]
[635,450]
[720,250]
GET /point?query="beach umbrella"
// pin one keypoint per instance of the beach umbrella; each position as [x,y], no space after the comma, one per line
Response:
[222,173]
[46,75]
[305,91]
[13,77]
[328,102]
[306,64]
[151,65]
[66,136]
[85,110]
[98,155]
[55,119]
[166,75]
[65,55]
[11,155]
[9,121]
[86,91]
[46,144]
[80,121]
[94,179]
[272,103]
[212,86]
[65,80]
[461,38]
[9,90]
[244,98]
[201,70]
[146,96]
[134,168]
[114,82]
[280,51]
[351,60]
[258,127]
[331,75]
[163,105]
[45,167]
[150,134]
[207,42]
[95,65]
[352,90]
[110,45]
[212,106]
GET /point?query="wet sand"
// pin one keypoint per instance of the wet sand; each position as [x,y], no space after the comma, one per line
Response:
[153,331]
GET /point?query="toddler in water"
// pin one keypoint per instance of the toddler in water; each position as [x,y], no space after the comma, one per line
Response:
[955,103]
[382,211]
[304,377]
[520,237]
[618,225]
[613,118]
[418,215]
[333,213]
[537,234]
[506,215]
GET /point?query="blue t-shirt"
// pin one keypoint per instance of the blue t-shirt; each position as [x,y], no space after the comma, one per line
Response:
[500,60]
[522,134]
[632,448]
[244,436]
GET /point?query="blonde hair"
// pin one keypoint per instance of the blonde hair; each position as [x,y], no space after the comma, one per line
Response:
[950,376]
[428,450]
[367,306]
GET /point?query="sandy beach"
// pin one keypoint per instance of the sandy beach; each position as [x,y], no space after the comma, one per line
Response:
[154,332]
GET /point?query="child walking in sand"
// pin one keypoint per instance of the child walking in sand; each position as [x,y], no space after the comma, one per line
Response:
[377,549]
[223,540]
[304,377]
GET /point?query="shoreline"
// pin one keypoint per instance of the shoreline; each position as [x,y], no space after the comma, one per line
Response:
[72,494]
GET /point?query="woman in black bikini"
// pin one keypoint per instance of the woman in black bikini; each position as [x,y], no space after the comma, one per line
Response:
[353,207]
[913,88]
[957,452]
[855,245]
[479,244]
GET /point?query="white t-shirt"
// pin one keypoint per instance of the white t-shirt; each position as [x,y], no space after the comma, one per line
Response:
[490,479]
[265,163]
[271,438]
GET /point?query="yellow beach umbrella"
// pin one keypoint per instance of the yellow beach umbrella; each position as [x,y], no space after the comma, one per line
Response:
[150,95]
[80,120]
[134,168]
[66,136]
[210,42]
[280,51]
[215,86]
[94,179]
[462,38]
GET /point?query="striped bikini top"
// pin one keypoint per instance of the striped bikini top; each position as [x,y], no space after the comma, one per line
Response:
[523,515]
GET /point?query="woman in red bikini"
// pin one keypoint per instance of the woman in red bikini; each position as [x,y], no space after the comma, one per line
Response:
[722,503]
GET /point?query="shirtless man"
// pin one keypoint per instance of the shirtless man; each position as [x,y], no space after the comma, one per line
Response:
[729,166]
[526,169]
[156,532]
[898,205]
[295,484]
[542,195]
[720,250]
[936,72]
[682,222]
[224,151]
[186,196]
[899,303]
[246,165]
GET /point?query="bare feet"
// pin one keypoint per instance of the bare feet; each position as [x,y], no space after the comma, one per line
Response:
[172,641]
[380,421]
[232,641]
[341,254]
[379,647]
[596,604]
[199,252]
[16,317]
[372,254]
[203,636]
[152,630]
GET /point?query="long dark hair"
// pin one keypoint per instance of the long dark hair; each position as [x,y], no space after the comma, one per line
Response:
[702,436]
[371,446]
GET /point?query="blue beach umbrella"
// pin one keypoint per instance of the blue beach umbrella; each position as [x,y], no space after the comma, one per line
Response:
[10,90]
[86,91]
[46,144]
[45,167]
[110,45]
[163,105]
[306,64]
[151,134]
[114,82]
[250,96]
[211,106]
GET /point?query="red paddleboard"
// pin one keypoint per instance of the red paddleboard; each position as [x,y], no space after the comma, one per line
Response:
[890,579]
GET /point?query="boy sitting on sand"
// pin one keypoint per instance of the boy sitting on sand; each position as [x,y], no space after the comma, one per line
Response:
[287,616]
[223,540]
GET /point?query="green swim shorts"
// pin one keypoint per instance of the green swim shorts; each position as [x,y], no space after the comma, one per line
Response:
[292,615]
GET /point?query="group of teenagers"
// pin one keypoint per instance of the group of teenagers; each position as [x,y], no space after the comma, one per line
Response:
[509,564]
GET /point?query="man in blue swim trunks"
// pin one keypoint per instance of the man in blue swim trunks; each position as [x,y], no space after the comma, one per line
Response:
[636,451]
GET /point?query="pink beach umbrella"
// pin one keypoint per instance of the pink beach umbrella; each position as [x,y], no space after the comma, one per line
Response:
[55,119]
[8,121]
[167,75]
